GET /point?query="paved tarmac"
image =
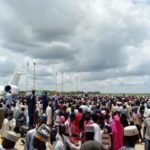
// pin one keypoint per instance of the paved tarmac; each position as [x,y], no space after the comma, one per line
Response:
[20,146]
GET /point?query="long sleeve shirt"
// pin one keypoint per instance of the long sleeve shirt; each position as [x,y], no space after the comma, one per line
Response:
[49,115]
[8,125]
[29,140]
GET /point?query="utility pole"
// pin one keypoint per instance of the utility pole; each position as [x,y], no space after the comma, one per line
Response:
[56,81]
[76,85]
[34,76]
[62,82]
[70,84]
[27,76]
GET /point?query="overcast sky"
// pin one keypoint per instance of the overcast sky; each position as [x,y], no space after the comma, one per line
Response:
[105,43]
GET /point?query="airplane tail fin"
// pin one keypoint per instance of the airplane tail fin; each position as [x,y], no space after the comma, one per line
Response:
[15,78]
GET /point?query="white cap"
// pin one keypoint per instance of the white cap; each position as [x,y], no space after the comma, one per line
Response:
[103,112]
[12,136]
[119,103]
[131,131]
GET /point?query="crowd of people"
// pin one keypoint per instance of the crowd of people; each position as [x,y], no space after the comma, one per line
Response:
[58,122]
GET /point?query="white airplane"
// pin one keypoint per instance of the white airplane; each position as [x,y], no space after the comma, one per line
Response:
[12,85]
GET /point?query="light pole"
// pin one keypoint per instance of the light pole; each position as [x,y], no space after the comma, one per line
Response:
[34,75]
[27,75]
[62,82]
[56,81]
[76,84]
[70,84]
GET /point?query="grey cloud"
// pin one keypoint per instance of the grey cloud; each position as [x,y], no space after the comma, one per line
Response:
[115,73]
[7,67]
[48,20]
[58,52]
[91,38]
[42,72]
[41,52]
[30,33]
